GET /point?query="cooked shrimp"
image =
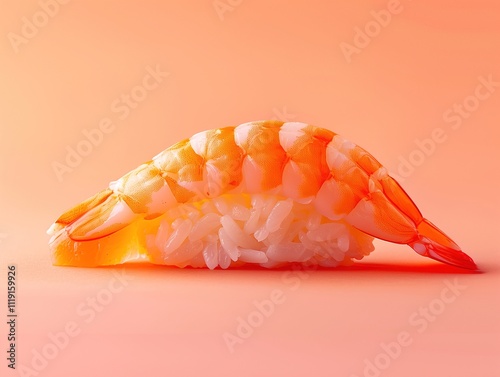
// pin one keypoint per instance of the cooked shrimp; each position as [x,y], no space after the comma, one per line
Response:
[265,192]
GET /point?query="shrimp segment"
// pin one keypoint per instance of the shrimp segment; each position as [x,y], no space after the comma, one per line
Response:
[247,194]
[260,140]
[302,179]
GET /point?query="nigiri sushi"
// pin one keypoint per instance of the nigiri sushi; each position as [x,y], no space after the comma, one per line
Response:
[267,193]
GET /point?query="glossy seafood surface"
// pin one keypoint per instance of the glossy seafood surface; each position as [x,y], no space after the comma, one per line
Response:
[266,193]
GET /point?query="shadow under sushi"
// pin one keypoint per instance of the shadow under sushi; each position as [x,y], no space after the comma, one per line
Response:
[427,268]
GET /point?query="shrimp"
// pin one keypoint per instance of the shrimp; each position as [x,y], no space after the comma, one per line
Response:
[264,192]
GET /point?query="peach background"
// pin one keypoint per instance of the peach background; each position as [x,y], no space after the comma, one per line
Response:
[263,58]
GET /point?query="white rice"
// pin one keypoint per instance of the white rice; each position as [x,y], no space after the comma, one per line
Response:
[278,214]
[264,229]
[178,236]
[206,225]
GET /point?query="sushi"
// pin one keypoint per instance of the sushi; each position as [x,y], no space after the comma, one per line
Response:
[266,193]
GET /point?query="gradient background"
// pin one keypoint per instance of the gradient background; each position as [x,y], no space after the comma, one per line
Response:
[259,60]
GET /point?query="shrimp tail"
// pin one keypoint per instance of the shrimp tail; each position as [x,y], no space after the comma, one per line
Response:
[83,235]
[433,243]
[78,211]
[98,216]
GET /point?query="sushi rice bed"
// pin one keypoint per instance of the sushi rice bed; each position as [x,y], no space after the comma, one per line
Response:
[265,229]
